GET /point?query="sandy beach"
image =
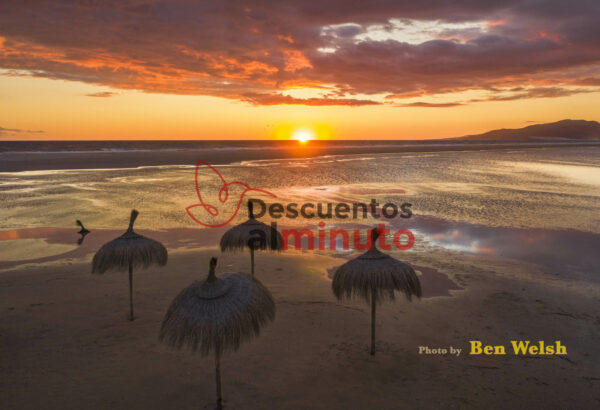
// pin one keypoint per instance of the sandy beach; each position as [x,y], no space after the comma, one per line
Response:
[65,341]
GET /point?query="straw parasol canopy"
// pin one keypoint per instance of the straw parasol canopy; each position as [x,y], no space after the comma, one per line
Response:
[217,314]
[129,251]
[253,235]
[374,276]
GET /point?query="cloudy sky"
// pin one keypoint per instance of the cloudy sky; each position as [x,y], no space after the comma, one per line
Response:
[262,69]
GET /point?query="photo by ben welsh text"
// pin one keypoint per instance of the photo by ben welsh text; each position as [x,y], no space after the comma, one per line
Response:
[333,238]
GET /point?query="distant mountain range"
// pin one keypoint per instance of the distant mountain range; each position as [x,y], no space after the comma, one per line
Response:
[560,130]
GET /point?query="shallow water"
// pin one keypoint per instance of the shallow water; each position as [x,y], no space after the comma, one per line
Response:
[540,205]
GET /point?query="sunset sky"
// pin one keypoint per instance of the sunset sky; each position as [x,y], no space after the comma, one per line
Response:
[263,69]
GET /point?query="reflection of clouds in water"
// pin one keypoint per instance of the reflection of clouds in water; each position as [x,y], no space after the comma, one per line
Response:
[568,171]
[85,186]
[355,159]
[449,187]
[136,180]
[349,193]
[305,162]
[17,181]
[265,163]
[560,251]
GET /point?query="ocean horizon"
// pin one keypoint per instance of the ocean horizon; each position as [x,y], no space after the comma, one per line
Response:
[54,155]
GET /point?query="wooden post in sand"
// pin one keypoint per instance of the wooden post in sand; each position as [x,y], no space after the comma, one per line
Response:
[373,307]
[252,261]
[130,292]
[218,377]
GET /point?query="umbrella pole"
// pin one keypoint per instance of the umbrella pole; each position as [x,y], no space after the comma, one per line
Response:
[218,377]
[130,293]
[373,310]
[252,260]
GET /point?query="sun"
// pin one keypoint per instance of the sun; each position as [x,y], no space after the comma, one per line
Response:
[303,135]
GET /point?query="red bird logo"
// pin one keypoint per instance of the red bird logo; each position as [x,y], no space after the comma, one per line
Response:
[223,196]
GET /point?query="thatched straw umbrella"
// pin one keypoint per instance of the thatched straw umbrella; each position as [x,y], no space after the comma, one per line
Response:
[374,276]
[217,314]
[253,235]
[129,251]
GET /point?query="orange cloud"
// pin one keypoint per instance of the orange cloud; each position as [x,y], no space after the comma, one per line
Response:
[430,105]
[496,23]
[287,39]
[102,94]
[277,99]
[296,61]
